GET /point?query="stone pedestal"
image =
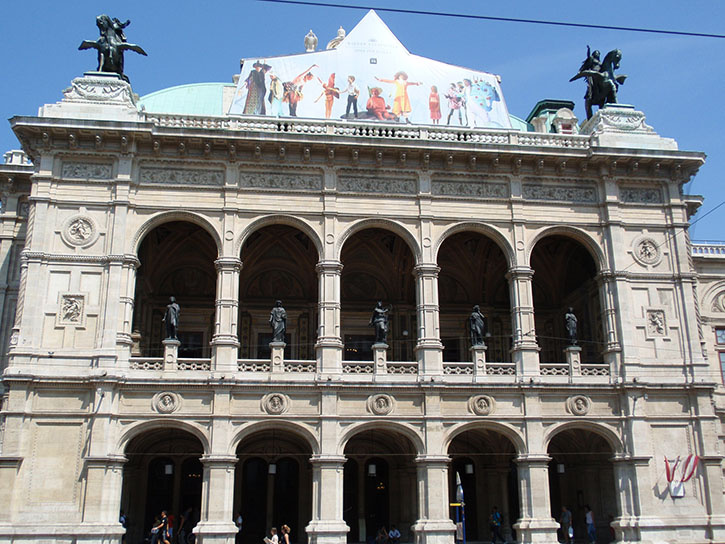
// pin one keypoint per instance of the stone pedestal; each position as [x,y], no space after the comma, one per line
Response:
[277,355]
[620,125]
[136,344]
[171,353]
[380,358]
[478,356]
[573,356]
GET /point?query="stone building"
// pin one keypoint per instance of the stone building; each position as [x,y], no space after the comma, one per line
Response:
[129,201]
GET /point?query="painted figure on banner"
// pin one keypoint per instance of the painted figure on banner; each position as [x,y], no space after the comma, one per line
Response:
[401,102]
[256,89]
[293,89]
[352,95]
[454,104]
[330,92]
[434,105]
[276,94]
[377,109]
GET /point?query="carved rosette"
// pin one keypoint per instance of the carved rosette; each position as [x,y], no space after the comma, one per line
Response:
[646,251]
[79,231]
[166,402]
[482,405]
[380,404]
[579,405]
[275,403]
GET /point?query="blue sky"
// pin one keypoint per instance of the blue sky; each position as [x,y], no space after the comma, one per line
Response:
[678,82]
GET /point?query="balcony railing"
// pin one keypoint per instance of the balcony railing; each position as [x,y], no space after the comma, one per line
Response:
[715,249]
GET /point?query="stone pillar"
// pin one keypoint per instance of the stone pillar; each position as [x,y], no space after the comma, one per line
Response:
[380,358]
[327,525]
[503,475]
[217,500]
[433,525]
[225,343]
[102,504]
[171,353]
[573,356]
[478,355]
[608,301]
[429,349]
[276,350]
[329,343]
[124,337]
[9,469]
[525,351]
[535,524]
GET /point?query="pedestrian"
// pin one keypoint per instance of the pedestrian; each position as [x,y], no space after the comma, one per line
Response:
[393,535]
[566,528]
[591,528]
[495,521]
[285,534]
[123,520]
[238,522]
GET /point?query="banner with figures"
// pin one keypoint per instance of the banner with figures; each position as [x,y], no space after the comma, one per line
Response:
[370,75]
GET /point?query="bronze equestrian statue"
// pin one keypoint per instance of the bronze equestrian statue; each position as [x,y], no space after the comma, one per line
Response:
[602,83]
[111,45]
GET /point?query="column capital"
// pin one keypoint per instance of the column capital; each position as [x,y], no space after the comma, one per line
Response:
[105,460]
[520,272]
[426,269]
[532,459]
[432,460]
[228,263]
[329,265]
[322,460]
[218,460]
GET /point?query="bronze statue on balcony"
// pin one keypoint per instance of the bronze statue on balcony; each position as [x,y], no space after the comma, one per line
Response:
[477,326]
[379,320]
[570,322]
[111,45]
[278,322]
[602,83]
[171,319]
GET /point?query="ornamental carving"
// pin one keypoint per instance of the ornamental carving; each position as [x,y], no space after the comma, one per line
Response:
[181,176]
[718,303]
[362,184]
[72,307]
[275,403]
[656,325]
[166,402]
[638,195]
[579,405]
[291,181]
[380,405]
[481,405]
[79,231]
[99,89]
[534,191]
[85,170]
[646,251]
[469,189]
[626,121]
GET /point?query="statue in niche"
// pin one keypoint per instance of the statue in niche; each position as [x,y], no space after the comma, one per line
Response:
[602,83]
[379,320]
[278,321]
[111,45]
[171,319]
[477,326]
[570,322]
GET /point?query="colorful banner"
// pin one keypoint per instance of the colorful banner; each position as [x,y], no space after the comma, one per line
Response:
[370,76]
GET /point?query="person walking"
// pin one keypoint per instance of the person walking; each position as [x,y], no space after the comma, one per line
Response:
[591,528]
[566,527]
[495,521]
[285,534]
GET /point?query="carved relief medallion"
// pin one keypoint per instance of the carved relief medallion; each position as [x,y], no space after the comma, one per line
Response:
[79,231]
[646,251]
[380,405]
[275,403]
[72,308]
[481,405]
[656,325]
[579,405]
[166,402]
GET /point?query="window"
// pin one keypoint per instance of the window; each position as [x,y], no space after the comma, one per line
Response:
[720,346]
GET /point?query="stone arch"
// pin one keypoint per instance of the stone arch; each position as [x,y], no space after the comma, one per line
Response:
[276,424]
[504,429]
[494,234]
[386,224]
[607,433]
[288,220]
[578,235]
[167,217]
[713,299]
[409,432]
[162,423]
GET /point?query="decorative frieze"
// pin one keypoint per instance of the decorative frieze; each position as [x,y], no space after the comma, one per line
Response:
[381,183]
[86,170]
[469,188]
[289,181]
[641,195]
[582,193]
[181,176]
[99,88]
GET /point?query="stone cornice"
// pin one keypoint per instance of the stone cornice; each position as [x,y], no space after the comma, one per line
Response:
[44,258]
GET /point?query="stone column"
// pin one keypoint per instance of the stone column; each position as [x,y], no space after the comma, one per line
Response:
[217,500]
[433,525]
[535,524]
[327,525]
[573,355]
[429,349]
[608,298]
[503,474]
[329,343]
[525,351]
[225,343]
[124,339]
[102,504]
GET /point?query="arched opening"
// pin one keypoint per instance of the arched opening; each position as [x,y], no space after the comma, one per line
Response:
[278,264]
[581,473]
[484,461]
[377,266]
[564,277]
[273,484]
[379,484]
[164,472]
[473,271]
[177,259]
